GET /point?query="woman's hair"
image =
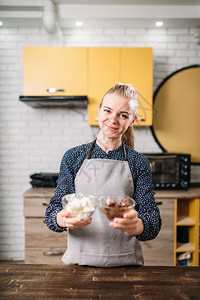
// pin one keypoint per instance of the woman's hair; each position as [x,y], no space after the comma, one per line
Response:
[126,90]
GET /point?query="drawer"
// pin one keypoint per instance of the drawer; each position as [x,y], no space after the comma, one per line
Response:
[35,207]
[44,255]
[159,252]
[39,235]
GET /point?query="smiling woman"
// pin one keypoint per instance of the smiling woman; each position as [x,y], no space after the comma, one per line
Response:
[107,166]
[117,113]
[113,122]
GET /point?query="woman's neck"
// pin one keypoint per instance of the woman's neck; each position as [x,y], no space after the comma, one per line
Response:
[107,144]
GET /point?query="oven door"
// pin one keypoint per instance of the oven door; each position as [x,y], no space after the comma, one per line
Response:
[165,170]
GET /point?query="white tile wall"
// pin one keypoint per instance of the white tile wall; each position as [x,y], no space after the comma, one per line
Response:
[34,140]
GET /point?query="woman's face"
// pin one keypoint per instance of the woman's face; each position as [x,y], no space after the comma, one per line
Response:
[115,115]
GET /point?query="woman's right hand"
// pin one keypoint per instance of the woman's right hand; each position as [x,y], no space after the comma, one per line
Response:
[63,220]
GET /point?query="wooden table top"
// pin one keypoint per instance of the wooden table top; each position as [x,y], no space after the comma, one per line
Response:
[80,282]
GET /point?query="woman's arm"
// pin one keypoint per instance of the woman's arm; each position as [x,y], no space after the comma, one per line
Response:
[65,185]
[144,197]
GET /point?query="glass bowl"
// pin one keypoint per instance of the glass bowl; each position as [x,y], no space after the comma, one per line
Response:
[79,205]
[116,206]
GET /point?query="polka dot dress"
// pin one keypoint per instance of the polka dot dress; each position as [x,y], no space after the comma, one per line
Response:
[143,188]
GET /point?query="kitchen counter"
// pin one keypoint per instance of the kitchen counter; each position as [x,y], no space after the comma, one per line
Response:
[190,193]
[81,282]
[41,243]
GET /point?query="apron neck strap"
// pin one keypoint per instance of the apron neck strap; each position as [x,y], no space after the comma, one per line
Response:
[92,147]
[90,150]
[124,149]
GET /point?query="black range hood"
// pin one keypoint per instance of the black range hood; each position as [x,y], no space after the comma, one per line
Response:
[55,101]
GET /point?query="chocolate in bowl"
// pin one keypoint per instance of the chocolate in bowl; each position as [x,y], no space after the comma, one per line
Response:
[116,206]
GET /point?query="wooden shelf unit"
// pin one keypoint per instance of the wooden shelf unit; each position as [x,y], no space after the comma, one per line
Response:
[187,213]
[184,221]
[199,232]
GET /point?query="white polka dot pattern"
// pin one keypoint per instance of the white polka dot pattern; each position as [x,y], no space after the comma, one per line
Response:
[143,188]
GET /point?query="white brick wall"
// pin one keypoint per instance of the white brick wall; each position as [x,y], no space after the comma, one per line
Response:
[34,140]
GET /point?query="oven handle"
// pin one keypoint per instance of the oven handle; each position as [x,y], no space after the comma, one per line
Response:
[160,157]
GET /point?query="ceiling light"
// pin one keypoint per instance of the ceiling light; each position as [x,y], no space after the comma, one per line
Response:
[159,23]
[1,23]
[79,23]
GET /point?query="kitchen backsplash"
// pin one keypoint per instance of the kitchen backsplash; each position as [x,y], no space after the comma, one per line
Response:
[34,140]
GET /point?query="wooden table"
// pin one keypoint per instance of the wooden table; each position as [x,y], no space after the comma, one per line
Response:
[80,282]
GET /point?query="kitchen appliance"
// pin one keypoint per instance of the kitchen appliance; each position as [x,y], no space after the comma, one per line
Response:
[55,101]
[170,170]
[44,179]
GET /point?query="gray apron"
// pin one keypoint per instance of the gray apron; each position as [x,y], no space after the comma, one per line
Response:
[98,244]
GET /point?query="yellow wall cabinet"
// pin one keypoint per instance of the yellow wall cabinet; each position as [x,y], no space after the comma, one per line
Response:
[136,67]
[103,73]
[89,71]
[62,68]
[108,66]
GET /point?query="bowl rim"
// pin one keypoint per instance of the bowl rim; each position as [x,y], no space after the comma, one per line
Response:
[65,201]
[109,207]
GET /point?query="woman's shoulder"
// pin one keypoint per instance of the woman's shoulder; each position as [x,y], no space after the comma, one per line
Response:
[137,157]
[77,151]
[133,153]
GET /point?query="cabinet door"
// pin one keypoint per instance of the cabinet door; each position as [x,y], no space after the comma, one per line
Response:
[137,69]
[62,68]
[38,235]
[43,245]
[43,256]
[103,73]
[159,252]
[35,206]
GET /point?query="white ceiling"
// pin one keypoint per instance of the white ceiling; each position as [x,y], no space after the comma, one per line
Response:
[95,13]
[142,2]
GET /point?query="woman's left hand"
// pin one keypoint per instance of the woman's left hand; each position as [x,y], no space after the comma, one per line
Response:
[130,223]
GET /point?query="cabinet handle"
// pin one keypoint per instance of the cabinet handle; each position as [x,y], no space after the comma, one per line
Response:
[140,120]
[137,120]
[159,203]
[45,203]
[52,253]
[53,90]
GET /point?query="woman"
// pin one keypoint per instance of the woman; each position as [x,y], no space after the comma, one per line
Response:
[105,165]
